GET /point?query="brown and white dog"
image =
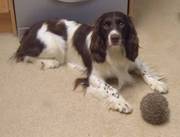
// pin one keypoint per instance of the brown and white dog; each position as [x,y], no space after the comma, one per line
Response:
[107,49]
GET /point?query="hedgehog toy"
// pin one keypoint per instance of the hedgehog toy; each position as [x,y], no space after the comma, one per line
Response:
[154,108]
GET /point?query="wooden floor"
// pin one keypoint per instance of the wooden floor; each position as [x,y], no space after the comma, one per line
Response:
[5,22]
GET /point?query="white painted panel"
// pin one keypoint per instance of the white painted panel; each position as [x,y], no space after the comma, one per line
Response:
[29,12]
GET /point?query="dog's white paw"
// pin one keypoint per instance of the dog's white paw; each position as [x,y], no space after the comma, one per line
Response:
[121,105]
[124,107]
[156,84]
[49,64]
[159,86]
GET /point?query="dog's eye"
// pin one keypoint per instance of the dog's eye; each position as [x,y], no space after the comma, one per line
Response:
[107,24]
[120,23]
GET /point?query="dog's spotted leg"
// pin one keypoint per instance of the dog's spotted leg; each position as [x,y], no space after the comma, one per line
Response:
[110,95]
[152,79]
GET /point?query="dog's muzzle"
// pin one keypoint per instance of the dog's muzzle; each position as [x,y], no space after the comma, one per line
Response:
[114,38]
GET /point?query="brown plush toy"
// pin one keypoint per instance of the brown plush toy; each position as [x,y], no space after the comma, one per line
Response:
[154,108]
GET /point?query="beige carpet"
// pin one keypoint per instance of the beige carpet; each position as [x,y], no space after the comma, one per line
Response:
[35,103]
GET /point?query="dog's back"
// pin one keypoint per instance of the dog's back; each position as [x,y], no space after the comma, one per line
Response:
[45,40]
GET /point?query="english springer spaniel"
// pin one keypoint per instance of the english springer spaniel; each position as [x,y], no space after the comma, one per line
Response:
[107,49]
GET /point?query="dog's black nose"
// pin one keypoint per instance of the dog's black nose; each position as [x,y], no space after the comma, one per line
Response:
[115,38]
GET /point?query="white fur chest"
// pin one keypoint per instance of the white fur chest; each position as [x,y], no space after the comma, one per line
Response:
[116,63]
[116,57]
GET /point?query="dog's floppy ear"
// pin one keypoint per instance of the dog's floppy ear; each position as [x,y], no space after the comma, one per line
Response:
[131,41]
[98,47]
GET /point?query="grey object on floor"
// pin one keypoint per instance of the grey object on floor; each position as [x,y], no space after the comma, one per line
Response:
[32,11]
[71,1]
[154,108]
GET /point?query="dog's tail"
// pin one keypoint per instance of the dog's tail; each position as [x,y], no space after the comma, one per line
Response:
[18,56]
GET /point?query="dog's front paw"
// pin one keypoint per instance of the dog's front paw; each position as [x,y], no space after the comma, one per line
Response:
[121,105]
[124,107]
[159,86]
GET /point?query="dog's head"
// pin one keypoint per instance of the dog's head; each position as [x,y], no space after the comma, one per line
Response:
[114,29]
